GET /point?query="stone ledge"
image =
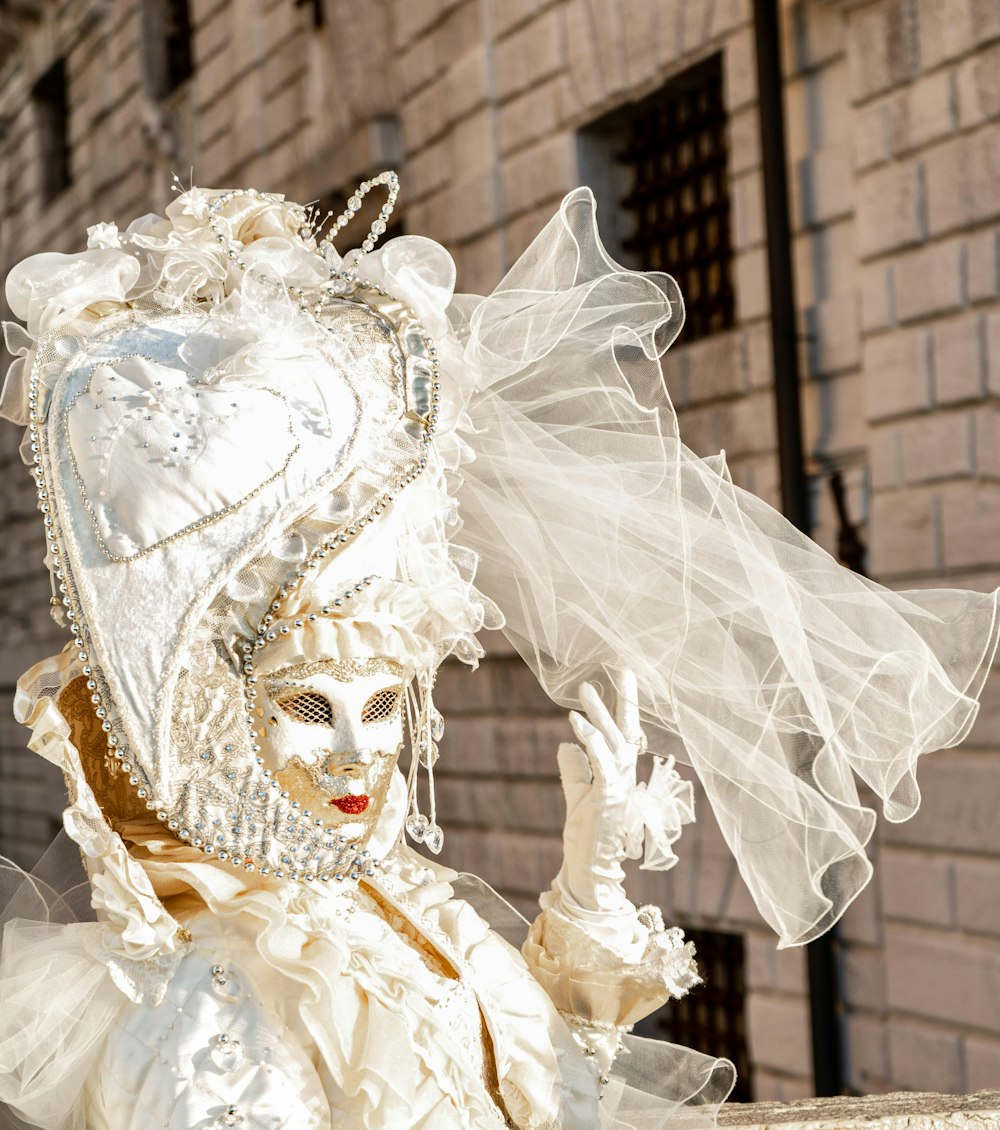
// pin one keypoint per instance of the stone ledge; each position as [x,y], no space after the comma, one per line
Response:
[902,1111]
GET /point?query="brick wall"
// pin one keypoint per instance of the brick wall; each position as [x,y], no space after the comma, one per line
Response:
[894,125]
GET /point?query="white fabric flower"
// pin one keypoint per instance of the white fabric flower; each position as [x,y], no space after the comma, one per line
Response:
[104,236]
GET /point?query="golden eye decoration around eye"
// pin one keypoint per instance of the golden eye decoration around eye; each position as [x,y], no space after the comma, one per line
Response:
[381,706]
[307,706]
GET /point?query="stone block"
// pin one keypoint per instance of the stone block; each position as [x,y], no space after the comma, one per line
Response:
[897,369]
[977,893]
[586,67]
[983,265]
[429,169]
[749,426]
[868,1062]
[669,30]
[466,82]
[413,19]
[962,175]
[905,537]
[982,1063]
[814,34]
[993,353]
[419,64]
[725,16]
[284,115]
[881,47]
[751,285]
[971,531]
[872,135]
[748,210]
[740,70]
[961,797]
[833,335]
[778,1031]
[890,209]
[529,117]
[639,48]
[863,977]
[512,14]
[925,1058]
[938,447]
[473,149]
[924,112]
[943,977]
[918,887]
[986,441]
[878,297]
[886,455]
[424,116]
[744,140]
[950,28]
[529,55]
[978,87]
[695,20]
[825,186]
[772,970]
[542,173]
[714,368]
[960,372]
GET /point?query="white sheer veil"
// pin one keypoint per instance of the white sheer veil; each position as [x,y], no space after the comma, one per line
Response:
[774,672]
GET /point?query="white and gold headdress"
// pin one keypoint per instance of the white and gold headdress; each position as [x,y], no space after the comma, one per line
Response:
[213,412]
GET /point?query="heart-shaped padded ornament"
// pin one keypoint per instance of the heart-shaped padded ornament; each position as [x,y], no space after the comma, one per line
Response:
[158,451]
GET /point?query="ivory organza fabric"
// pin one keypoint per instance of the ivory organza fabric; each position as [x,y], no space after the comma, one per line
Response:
[558,499]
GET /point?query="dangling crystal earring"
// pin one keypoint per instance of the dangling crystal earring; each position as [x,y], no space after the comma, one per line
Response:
[426,728]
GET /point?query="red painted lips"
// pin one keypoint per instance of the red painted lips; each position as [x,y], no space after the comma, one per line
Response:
[351,805]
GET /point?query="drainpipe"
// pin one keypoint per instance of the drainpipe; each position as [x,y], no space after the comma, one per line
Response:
[824,995]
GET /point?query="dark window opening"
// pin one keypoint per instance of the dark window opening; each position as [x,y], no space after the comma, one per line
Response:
[167,45]
[51,99]
[712,1017]
[318,9]
[662,166]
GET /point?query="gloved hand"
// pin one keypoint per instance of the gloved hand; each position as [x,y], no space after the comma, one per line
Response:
[598,780]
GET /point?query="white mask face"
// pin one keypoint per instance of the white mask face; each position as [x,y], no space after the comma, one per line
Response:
[332,734]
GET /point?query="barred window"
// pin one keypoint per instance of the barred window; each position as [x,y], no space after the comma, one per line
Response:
[51,101]
[662,166]
[712,1017]
[167,45]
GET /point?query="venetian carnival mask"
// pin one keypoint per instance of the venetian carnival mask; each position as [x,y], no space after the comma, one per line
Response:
[332,733]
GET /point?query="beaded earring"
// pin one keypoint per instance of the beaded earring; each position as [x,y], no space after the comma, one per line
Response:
[426,728]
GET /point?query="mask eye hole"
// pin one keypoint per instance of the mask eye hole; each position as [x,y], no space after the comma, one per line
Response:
[382,706]
[309,707]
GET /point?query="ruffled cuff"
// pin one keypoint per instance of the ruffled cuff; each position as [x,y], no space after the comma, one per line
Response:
[587,979]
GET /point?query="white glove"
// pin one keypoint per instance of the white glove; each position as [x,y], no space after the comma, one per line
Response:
[598,780]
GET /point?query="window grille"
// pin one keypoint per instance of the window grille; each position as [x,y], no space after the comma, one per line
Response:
[661,164]
[51,100]
[712,1017]
[167,45]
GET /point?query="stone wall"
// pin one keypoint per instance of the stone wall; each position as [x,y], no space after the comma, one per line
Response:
[894,135]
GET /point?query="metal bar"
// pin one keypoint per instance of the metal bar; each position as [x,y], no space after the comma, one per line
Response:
[824,990]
